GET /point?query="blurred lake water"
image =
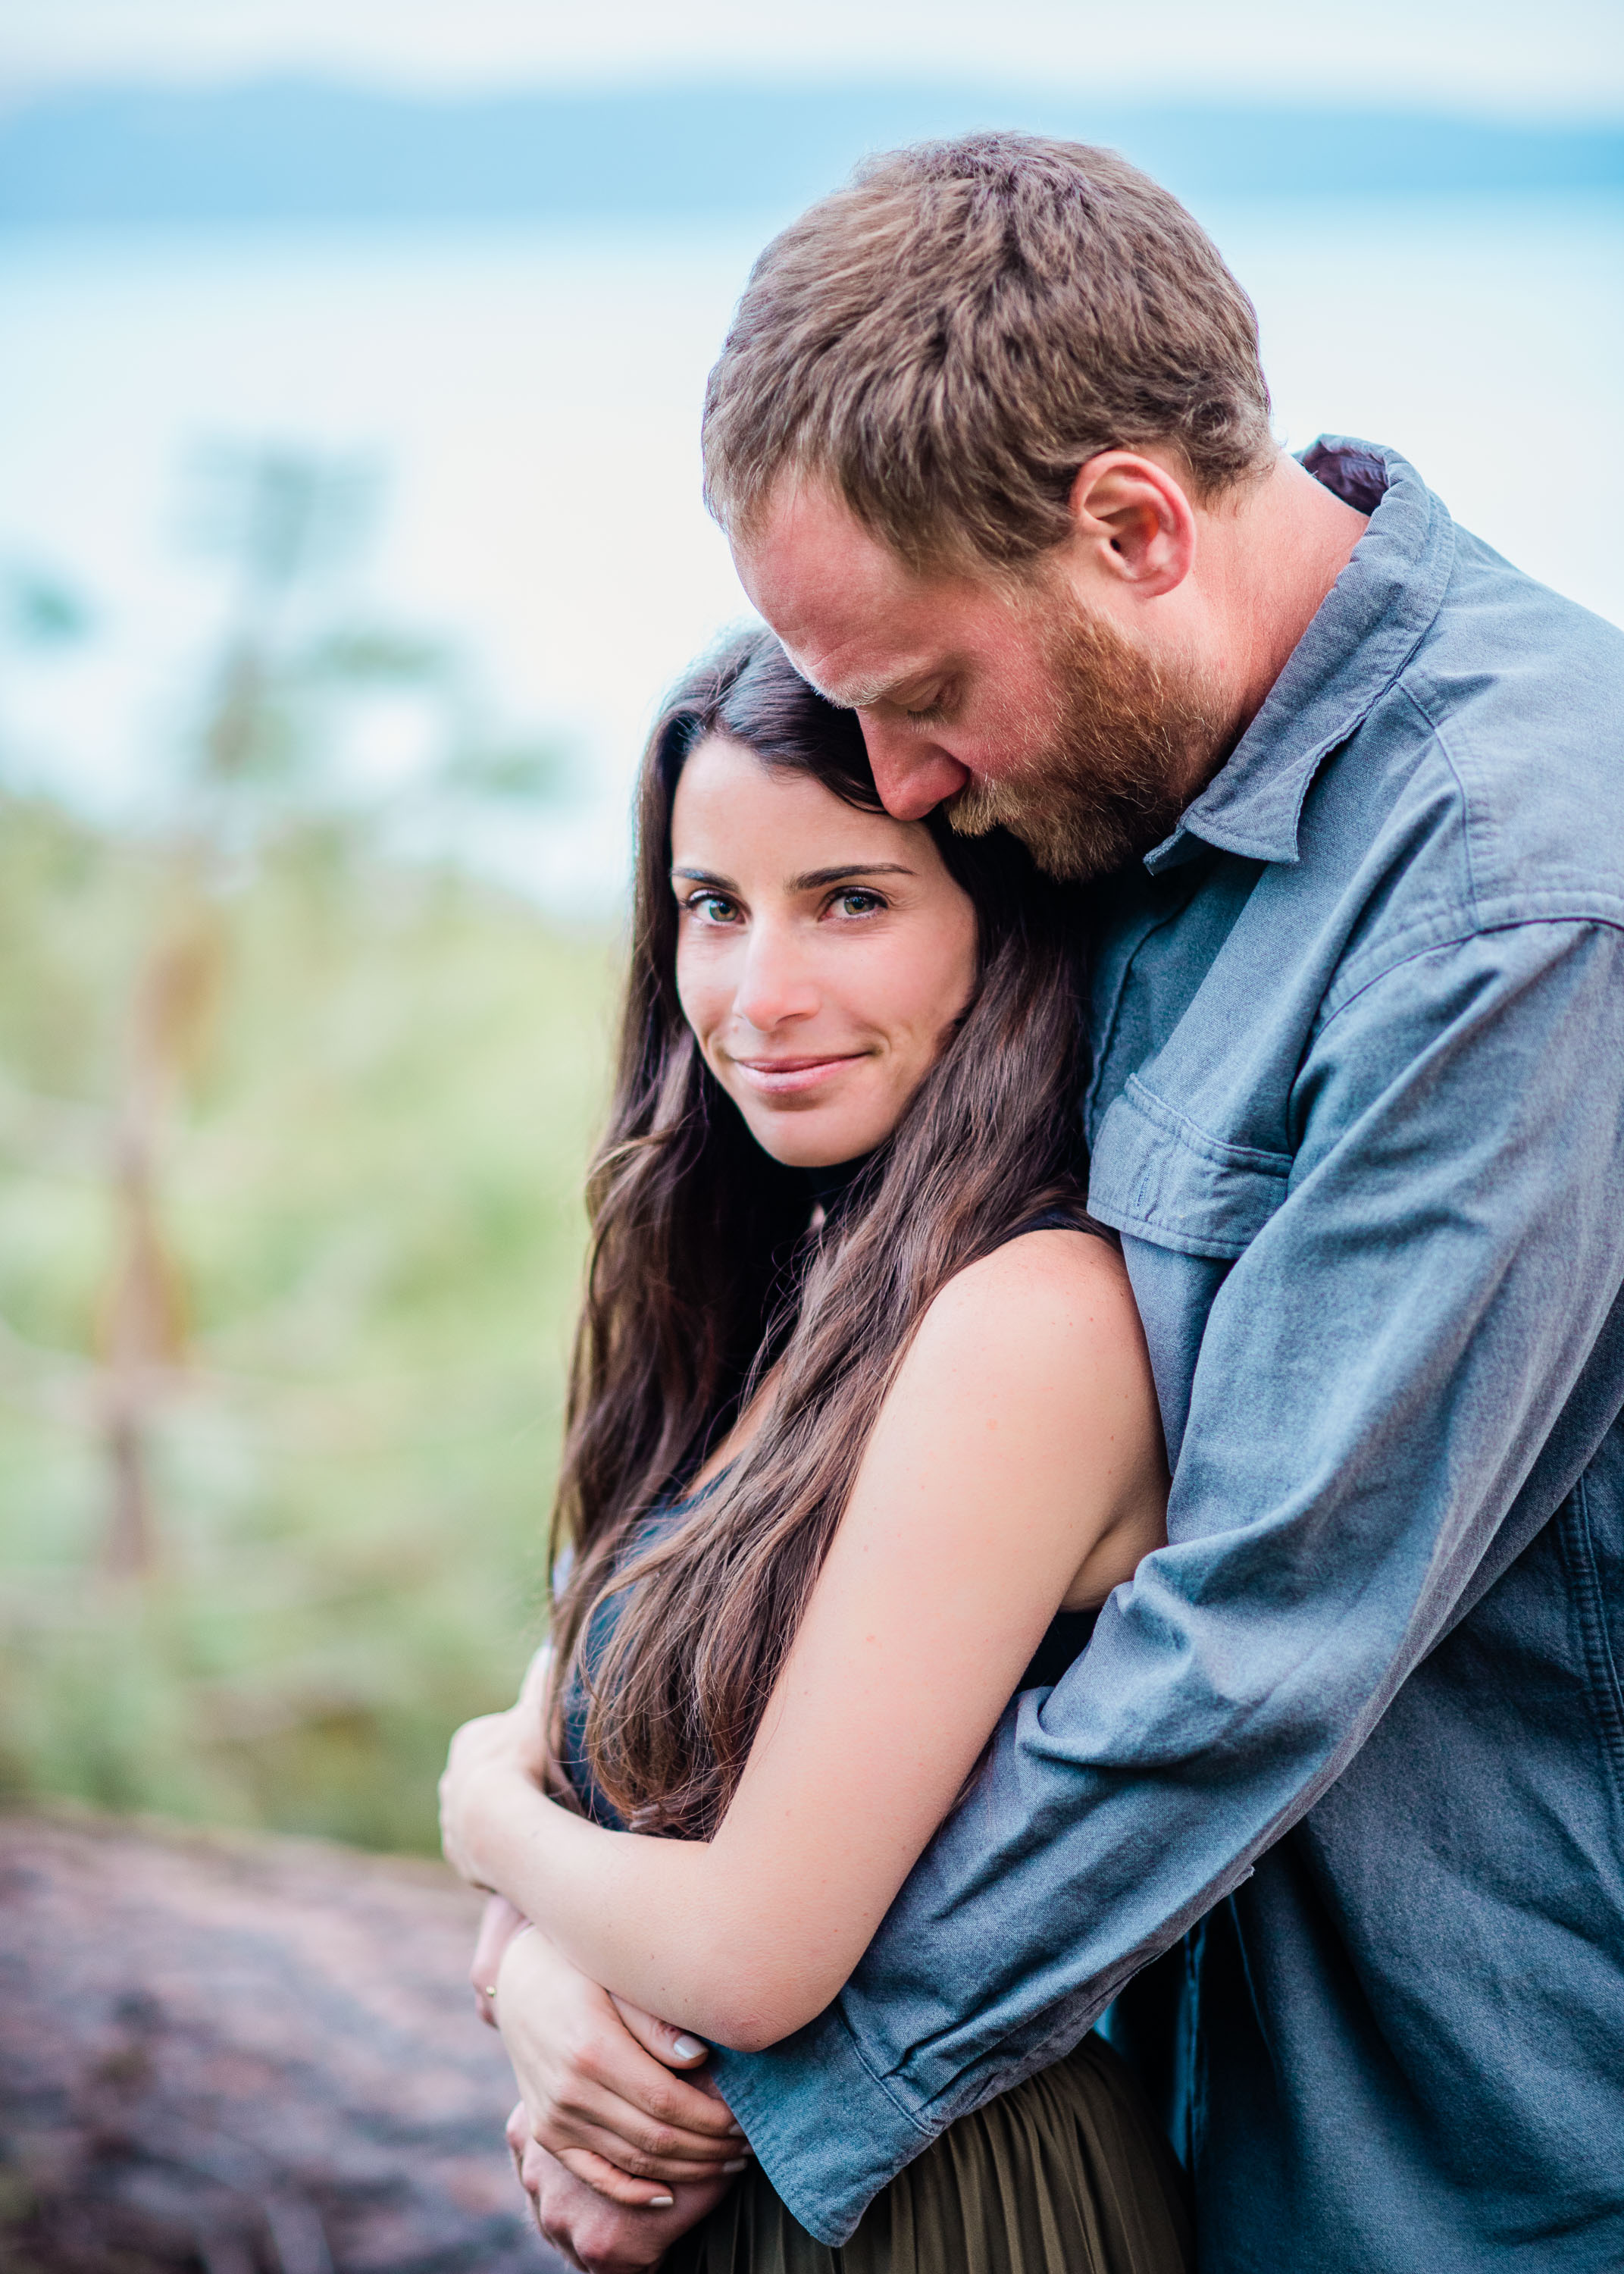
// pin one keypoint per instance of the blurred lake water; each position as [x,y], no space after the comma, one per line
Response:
[531,394]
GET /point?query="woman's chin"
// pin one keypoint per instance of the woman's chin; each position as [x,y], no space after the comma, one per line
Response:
[811,1141]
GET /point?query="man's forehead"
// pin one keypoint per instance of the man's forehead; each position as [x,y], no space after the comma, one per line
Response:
[808,556]
[854,620]
[858,654]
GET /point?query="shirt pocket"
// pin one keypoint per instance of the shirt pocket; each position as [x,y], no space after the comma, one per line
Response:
[1157,1175]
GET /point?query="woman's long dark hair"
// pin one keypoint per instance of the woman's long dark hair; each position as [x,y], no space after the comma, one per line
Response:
[703,1274]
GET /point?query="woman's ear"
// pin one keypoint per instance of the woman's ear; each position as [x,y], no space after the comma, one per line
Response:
[1132,523]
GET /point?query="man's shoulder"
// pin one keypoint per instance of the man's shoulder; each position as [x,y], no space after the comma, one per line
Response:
[1505,734]
[1505,651]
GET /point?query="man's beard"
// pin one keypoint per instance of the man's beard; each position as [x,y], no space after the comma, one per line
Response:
[1125,748]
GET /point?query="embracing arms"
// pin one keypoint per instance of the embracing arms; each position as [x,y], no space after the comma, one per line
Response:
[1016,1465]
[1391,1381]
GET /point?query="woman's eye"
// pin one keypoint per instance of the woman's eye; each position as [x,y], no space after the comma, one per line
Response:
[712,907]
[857,902]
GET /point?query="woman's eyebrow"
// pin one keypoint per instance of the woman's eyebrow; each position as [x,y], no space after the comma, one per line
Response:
[815,878]
[704,877]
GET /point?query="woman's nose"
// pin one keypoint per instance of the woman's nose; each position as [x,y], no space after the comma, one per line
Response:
[912,773]
[777,982]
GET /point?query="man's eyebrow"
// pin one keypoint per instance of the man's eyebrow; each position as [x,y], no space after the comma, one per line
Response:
[871,696]
[865,694]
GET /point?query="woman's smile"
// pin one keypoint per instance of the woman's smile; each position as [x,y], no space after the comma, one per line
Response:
[794,1077]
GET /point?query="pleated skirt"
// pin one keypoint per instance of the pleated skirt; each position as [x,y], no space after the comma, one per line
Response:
[1068,2174]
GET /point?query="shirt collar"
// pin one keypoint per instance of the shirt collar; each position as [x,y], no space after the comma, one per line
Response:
[1366,629]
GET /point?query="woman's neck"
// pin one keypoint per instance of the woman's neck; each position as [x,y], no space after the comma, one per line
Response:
[829,1186]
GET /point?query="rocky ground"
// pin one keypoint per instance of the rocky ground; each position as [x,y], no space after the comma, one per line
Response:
[233,2056]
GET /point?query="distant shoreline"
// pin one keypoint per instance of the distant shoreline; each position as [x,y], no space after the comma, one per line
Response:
[294,151]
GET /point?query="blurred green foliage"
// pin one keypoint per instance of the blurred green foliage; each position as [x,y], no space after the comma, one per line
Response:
[369,1193]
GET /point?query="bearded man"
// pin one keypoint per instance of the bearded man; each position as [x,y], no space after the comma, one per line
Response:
[1341,1776]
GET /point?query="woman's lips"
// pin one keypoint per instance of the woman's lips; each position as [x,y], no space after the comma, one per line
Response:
[786,1077]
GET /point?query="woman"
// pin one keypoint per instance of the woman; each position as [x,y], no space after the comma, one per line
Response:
[862,1433]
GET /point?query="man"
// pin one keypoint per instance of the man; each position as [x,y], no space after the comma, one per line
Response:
[991,442]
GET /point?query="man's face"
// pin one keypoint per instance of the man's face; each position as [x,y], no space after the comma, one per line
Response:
[1009,699]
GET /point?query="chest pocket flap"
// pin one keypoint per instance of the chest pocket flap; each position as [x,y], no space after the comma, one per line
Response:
[1156,1176]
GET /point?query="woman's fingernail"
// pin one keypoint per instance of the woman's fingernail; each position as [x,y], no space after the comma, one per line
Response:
[687,2048]
[738,2163]
[661,2203]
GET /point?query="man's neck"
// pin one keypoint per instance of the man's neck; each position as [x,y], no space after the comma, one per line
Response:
[1269,561]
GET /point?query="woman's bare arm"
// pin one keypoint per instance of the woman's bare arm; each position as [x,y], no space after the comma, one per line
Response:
[1016,1464]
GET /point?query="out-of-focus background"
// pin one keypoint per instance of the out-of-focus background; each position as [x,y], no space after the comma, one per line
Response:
[350,361]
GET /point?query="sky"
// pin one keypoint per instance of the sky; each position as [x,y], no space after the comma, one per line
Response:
[1559,58]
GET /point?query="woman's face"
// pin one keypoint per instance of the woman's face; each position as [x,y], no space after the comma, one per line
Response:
[822,954]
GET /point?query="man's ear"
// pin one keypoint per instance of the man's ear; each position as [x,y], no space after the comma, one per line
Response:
[1133,523]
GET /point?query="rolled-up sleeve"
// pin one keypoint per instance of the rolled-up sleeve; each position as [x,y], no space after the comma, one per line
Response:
[1380,1375]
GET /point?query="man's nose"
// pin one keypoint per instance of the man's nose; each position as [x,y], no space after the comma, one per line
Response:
[912,773]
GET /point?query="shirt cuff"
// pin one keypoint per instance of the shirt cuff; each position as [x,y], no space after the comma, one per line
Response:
[827,2174]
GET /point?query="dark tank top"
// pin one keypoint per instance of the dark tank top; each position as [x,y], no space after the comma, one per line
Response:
[1065,1639]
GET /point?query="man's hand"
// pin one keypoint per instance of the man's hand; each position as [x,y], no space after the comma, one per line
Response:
[595,2074]
[600,2237]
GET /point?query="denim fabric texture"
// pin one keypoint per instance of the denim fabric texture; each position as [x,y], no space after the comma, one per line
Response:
[1358,1112]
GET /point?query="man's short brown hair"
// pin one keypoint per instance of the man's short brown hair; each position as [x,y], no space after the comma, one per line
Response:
[946,340]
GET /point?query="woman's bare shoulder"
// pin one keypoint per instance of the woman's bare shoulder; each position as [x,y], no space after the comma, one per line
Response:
[1029,1383]
[1045,1326]
[1033,1285]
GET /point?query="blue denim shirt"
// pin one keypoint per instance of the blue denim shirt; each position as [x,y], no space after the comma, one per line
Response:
[1358,1112]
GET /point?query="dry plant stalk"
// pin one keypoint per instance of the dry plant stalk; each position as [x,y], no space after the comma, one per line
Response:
[143,1314]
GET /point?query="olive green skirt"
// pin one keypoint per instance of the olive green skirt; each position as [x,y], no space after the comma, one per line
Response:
[1068,2174]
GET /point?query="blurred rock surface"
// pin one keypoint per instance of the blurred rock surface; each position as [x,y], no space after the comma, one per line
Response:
[243,2056]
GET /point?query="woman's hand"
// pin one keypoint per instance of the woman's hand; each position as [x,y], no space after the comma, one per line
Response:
[493,1752]
[499,1923]
[596,2074]
[492,1764]
[599,2091]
